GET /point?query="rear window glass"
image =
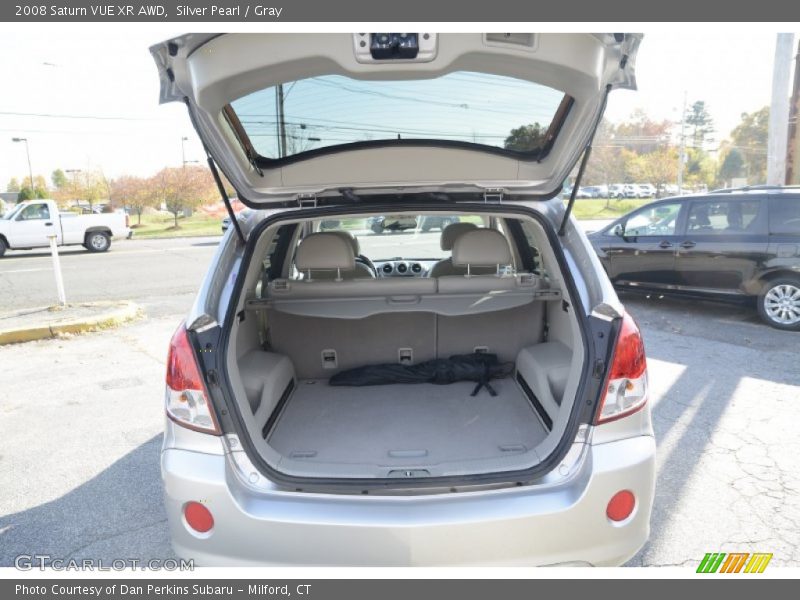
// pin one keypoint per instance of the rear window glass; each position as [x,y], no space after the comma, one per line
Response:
[784,215]
[400,236]
[460,107]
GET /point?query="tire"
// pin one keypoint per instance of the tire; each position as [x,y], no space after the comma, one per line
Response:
[3,247]
[98,241]
[779,303]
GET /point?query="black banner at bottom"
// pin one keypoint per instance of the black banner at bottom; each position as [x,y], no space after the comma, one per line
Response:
[383,589]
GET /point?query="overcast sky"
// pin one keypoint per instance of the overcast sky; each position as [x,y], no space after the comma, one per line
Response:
[110,77]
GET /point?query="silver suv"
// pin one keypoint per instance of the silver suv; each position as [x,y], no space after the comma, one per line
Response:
[470,396]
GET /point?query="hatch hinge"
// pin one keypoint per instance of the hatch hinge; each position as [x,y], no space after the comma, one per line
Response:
[494,195]
[307,201]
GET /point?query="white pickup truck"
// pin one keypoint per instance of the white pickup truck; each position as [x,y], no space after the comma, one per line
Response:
[28,225]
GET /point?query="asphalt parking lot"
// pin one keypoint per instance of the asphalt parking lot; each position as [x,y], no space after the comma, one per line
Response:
[82,420]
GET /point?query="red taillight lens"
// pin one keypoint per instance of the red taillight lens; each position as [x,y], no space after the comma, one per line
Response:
[198,517]
[621,506]
[626,386]
[187,401]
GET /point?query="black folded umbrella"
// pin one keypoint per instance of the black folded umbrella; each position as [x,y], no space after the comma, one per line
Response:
[478,367]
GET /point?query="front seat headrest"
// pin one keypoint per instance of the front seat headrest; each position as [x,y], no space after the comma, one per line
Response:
[452,232]
[350,238]
[324,251]
[481,247]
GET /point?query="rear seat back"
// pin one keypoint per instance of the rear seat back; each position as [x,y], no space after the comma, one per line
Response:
[449,295]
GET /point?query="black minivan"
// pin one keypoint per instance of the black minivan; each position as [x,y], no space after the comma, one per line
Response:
[732,244]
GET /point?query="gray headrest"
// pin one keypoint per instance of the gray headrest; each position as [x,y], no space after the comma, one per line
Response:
[481,247]
[351,239]
[325,251]
[451,233]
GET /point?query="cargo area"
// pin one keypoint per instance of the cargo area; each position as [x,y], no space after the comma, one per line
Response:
[299,329]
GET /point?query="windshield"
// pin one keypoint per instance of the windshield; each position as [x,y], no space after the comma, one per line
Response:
[11,213]
[402,236]
[461,107]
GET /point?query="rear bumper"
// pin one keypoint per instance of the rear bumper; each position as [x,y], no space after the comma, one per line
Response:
[548,524]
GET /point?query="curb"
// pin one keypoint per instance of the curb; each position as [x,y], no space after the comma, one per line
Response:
[126,311]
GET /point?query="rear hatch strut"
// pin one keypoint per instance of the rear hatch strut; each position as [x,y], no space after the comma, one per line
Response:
[587,152]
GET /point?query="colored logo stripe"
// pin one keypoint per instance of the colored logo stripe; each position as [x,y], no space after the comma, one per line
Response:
[734,563]
[758,563]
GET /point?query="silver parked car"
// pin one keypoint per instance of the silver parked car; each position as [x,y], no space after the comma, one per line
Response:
[473,396]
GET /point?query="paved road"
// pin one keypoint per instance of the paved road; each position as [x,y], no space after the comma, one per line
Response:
[150,272]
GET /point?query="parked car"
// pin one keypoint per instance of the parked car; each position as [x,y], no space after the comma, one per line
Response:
[734,244]
[439,222]
[646,190]
[279,446]
[28,225]
[616,191]
[391,223]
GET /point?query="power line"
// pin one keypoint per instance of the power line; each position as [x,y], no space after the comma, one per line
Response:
[89,117]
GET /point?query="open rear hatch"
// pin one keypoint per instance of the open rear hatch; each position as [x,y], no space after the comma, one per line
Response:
[287,116]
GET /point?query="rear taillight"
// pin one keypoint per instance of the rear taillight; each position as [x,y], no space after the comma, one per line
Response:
[626,386]
[187,400]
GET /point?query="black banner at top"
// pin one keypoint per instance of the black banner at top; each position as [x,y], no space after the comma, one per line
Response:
[198,11]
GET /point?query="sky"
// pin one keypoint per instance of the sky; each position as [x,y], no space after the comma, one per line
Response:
[102,88]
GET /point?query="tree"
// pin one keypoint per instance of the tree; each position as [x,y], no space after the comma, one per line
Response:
[525,138]
[698,118]
[641,134]
[13,185]
[59,179]
[36,191]
[750,138]
[134,193]
[659,167]
[732,166]
[607,163]
[89,186]
[183,187]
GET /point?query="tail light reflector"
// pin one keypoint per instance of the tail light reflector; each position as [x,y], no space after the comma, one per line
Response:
[187,400]
[621,506]
[198,517]
[626,386]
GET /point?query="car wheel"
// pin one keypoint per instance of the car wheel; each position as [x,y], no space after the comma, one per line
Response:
[98,241]
[3,247]
[779,303]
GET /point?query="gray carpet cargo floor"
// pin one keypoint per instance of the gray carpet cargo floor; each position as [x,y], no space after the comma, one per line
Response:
[405,424]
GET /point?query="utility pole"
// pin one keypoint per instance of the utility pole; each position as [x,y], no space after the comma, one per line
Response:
[779,110]
[279,102]
[682,148]
[30,170]
[793,154]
